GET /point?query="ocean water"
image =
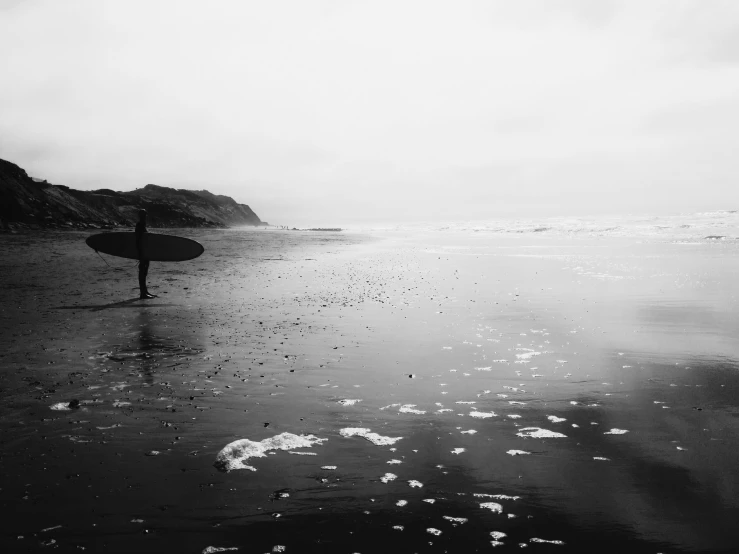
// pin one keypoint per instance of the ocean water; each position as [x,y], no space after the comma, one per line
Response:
[718,225]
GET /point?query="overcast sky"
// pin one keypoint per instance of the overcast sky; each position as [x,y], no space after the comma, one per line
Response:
[329,112]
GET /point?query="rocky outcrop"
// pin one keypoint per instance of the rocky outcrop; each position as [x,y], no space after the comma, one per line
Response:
[201,203]
[25,202]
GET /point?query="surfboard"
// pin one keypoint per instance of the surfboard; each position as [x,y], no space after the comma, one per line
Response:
[156,247]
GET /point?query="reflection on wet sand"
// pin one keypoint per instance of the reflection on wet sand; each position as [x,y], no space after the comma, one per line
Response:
[130,303]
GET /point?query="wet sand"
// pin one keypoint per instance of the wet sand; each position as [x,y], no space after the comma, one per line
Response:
[581,391]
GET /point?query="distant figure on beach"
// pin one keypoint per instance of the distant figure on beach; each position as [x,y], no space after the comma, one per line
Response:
[143,264]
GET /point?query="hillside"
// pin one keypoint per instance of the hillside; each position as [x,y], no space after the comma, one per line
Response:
[27,203]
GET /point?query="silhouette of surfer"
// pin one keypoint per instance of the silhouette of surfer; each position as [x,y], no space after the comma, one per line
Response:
[143,263]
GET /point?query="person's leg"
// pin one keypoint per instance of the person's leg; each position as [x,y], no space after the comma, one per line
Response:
[143,272]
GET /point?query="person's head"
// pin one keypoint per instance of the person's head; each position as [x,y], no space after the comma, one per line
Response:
[142,215]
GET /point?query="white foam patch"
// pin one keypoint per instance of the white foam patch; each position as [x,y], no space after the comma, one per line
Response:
[465,402]
[235,454]
[61,407]
[429,500]
[414,483]
[456,520]
[390,406]
[482,415]
[458,450]
[443,410]
[388,477]
[433,531]
[546,541]
[410,409]
[514,416]
[398,527]
[497,535]
[615,431]
[517,452]
[492,506]
[374,438]
[120,403]
[215,549]
[328,468]
[496,496]
[488,368]
[349,401]
[302,453]
[516,403]
[469,432]
[393,462]
[401,503]
[539,433]
[601,458]
[555,419]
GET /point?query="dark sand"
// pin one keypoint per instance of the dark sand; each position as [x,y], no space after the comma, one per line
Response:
[267,331]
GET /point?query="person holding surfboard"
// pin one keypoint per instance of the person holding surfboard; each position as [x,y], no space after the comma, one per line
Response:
[143,264]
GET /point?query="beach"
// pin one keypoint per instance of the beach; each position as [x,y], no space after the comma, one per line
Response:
[448,389]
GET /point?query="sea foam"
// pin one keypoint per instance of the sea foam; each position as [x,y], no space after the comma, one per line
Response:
[235,454]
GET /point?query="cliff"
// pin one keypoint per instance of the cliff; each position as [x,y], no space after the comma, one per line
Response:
[25,202]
